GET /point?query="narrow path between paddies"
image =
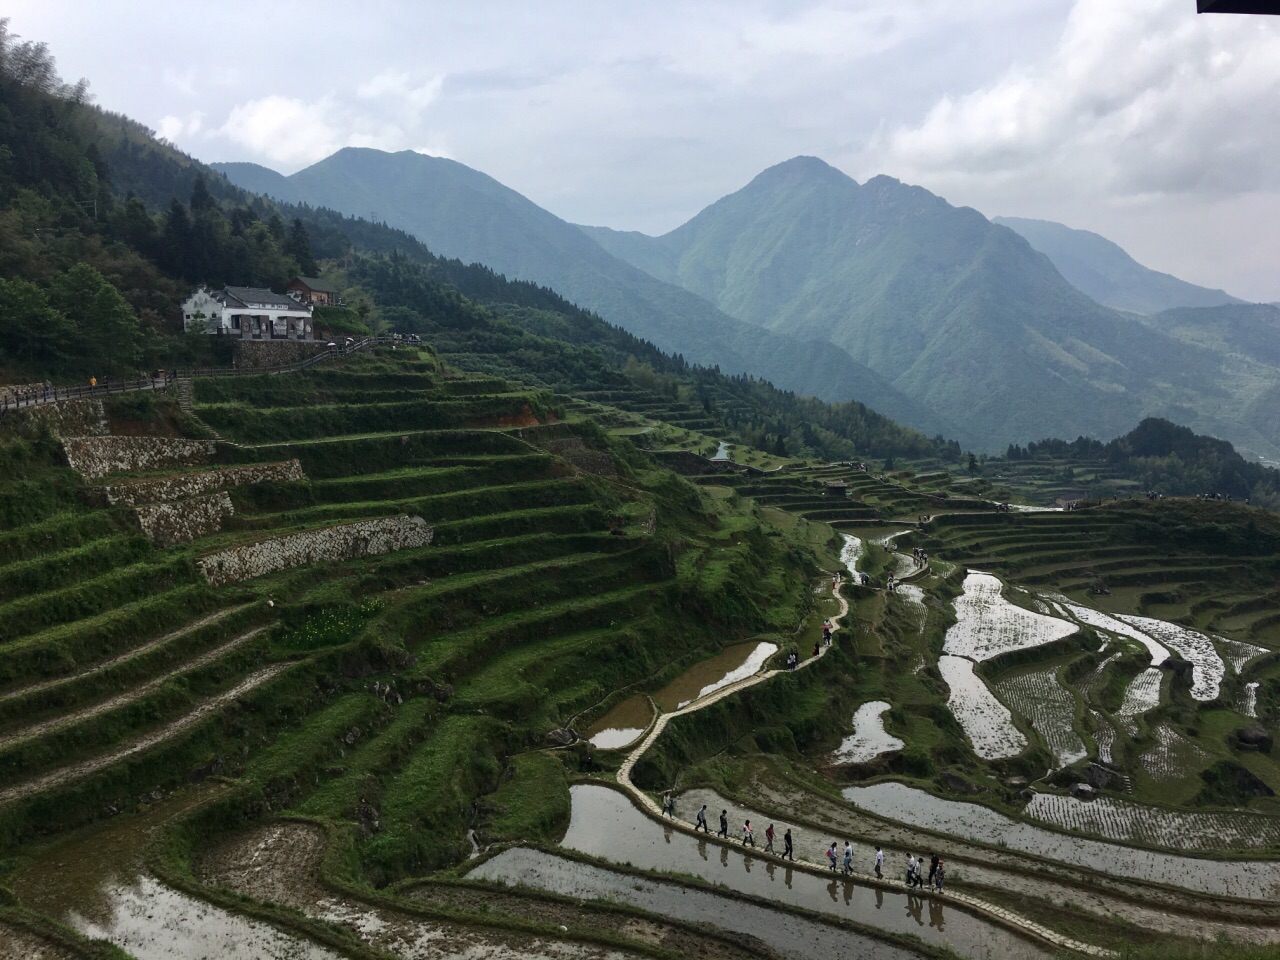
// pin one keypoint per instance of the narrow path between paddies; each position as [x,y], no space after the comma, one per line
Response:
[649,807]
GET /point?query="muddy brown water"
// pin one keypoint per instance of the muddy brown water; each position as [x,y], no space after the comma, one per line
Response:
[623,725]
[732,664]
[603,823]
[1247,879]
[96,883]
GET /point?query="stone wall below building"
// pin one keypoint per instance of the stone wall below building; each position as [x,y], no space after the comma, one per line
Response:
[94,457]
[366,538]
[182,485]
[264,354]
[181,521]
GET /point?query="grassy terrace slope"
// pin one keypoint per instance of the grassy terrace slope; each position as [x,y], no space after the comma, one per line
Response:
[386,695]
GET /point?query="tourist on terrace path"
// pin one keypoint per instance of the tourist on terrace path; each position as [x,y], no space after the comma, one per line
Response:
[702,821]
[747,835]
[768,839]
[848,858]
[724,825]
[933,869]
[832,856]
[879,864]
[941,875]
[668,805]
[788,852]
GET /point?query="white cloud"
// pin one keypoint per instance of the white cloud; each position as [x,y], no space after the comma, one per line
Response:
[285,130]
[172,127]
[398,85]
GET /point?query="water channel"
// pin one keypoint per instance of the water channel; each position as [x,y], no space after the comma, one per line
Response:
[604,824]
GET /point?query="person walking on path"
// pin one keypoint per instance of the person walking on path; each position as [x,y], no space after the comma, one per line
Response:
[911,870]
[941,876]
[702,821]
[933,869]
[879,864]
[768,839]
[832,856]
[668,805]
[747,836]
[724,825]
[848,858]
[788,851]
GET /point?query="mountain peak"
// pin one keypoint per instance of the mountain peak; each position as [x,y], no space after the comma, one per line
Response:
[802,169]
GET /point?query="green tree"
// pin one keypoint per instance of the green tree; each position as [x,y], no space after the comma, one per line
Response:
[31,330]
[298,245]
[105,329]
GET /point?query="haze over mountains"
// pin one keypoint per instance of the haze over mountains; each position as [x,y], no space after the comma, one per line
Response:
[1104,271]
[880,292]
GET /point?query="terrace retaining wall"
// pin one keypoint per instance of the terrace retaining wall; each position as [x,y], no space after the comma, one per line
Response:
[366,538]
[62,418]
[95,457]
[183,485]
[181,521]
[264,354]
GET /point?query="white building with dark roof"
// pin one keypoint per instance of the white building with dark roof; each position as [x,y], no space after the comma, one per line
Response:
[249,313]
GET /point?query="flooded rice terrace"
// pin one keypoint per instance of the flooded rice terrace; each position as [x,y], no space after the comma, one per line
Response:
[622,725]
[1246,879]
[96,883]
[732,664]
[869,738]
[604,824]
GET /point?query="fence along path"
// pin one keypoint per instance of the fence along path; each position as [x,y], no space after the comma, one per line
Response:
[39,396]
[648,806]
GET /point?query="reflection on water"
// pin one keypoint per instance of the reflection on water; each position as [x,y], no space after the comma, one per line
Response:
[605,824]
[94,881]
[154,922]
[1249,879]
[790,935]
[729,666]
[622,725]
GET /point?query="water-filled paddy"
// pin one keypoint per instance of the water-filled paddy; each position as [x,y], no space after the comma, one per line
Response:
[988,625]
[869,738]
[1247,879]
[622,725]
[732,664]
[605,824]
[986,721]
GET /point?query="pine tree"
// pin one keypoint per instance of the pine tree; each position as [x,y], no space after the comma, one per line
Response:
[298,246]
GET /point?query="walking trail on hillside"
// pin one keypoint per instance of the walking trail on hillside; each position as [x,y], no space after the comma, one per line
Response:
[647,805]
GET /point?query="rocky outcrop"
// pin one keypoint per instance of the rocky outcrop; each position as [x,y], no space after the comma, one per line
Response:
[181,521]
[182,485]
[94,457]
[366,538]
[1254,738]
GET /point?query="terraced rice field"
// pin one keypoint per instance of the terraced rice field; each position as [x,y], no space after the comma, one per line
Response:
[1040,696]
[987,625]
[869,738]
[1102,621]
[1208,668]
[986,721]
[1125,821]
[1171,756]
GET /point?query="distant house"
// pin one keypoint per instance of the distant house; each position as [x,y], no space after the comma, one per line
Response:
[313,291]
[249,313]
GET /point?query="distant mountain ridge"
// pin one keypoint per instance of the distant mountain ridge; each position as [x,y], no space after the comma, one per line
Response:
[880,292]
[1103,270]
[460,212]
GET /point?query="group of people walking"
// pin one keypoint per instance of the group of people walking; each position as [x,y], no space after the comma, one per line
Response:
[839,862]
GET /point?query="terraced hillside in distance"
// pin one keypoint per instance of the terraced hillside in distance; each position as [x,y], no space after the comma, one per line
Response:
[360,661]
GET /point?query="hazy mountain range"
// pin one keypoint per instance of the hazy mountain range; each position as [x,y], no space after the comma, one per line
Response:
[1102,270]
[880,292]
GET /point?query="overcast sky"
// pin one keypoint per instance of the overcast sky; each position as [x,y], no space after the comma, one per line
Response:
[1134,118]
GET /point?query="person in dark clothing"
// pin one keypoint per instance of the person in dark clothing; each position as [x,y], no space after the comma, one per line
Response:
[724,824]
[702,821]
[933,869]
[788,851]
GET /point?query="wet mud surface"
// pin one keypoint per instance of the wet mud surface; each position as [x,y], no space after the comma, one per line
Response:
[606,825]
[16,942]
[279,863]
